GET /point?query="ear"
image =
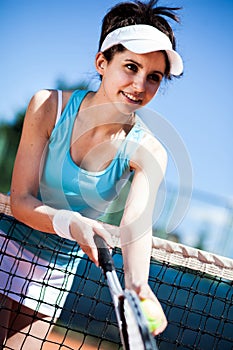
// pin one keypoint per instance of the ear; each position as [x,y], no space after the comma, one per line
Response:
[100,63]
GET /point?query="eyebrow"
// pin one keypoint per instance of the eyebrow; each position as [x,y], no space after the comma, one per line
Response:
[141,66]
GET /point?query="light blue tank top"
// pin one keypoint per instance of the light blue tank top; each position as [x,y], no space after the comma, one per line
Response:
[64,185]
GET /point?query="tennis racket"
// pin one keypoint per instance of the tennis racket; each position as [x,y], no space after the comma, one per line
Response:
[133,328]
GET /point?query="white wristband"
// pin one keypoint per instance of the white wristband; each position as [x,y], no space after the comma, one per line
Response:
[61,223]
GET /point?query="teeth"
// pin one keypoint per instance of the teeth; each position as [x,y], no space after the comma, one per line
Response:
[131,97]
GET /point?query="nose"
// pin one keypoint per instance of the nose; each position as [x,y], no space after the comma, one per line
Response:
[139,83]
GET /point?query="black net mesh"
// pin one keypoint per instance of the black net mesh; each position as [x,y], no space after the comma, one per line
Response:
[198,306]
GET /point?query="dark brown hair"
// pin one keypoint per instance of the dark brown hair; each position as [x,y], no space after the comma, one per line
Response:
[137,12]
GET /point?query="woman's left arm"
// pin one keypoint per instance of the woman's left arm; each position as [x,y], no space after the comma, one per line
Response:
[149,164]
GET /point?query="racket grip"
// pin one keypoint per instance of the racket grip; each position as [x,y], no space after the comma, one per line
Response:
[104,256]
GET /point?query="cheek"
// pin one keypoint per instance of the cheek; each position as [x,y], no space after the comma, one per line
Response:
[118,80]
[121,78]
[152,90]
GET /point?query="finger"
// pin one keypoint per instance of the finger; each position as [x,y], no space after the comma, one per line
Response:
[113,230]
[95,257]
[99,230]
[160,329]
[92,253]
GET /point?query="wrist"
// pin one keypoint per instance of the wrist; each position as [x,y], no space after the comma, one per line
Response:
[142,289]
[61,223]
[135,282]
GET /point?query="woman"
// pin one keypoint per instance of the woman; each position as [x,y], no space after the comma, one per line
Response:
[77,151]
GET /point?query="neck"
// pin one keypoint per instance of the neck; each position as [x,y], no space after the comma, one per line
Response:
[101,112]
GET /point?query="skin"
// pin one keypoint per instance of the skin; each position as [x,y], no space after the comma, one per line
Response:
[129,82]
[128,76]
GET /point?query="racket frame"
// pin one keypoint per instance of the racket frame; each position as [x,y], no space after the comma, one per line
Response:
[119,296]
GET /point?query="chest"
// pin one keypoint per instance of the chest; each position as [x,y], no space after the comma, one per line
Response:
[94,150]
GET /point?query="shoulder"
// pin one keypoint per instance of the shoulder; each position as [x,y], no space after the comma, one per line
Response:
[49,98]
[42,100]
[149,155]
[42,109]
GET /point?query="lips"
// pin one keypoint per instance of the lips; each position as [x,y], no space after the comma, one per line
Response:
[132,98]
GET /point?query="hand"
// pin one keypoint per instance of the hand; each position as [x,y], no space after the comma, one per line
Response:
[83,230]
[145,292]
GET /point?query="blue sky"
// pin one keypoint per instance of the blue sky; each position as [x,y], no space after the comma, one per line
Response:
[43,41]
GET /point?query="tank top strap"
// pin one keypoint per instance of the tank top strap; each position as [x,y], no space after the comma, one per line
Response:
[59,105]
[71,109]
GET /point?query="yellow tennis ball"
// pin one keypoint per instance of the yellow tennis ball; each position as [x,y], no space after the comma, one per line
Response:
[150,311]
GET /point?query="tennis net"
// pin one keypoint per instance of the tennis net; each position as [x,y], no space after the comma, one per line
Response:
[193,286]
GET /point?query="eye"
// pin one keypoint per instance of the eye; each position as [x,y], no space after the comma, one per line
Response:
[155,77]
[132,67]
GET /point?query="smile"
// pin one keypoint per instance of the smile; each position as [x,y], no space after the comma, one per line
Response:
[132,98]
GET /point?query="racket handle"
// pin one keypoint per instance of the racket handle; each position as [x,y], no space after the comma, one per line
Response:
[104,256]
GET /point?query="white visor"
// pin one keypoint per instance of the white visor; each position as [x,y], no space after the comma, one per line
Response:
[143,38]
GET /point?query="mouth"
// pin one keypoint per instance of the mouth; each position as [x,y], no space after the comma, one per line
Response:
[131,98]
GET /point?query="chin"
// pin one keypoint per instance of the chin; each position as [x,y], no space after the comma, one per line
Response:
[126,108]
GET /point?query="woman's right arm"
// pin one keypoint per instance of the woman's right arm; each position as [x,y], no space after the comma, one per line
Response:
[38,125]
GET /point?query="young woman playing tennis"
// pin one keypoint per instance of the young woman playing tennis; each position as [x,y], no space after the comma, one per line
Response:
[77,151]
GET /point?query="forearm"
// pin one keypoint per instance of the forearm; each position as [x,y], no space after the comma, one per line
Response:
[65,223]
[136,250]
[32,212]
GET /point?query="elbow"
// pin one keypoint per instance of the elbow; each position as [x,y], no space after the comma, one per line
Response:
[18,206]
[15,207]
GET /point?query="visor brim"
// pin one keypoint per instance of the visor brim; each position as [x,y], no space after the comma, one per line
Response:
[146,46]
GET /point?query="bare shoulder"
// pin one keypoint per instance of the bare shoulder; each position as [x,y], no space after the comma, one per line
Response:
[150,152]
[43,99]
[42,109]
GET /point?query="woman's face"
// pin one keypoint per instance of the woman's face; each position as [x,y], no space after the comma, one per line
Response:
[131,80]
